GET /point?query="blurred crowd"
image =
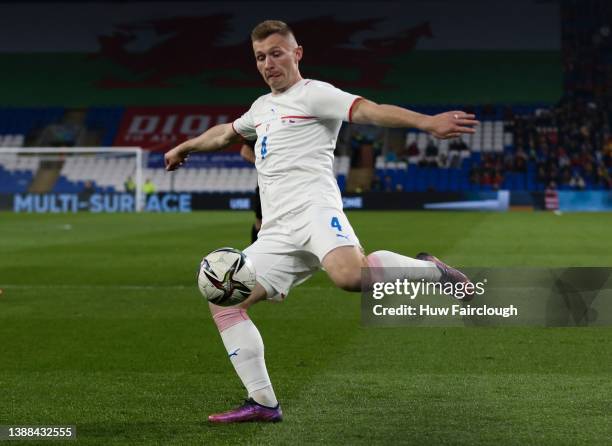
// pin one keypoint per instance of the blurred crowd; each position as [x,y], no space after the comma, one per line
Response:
[570,144]
[565,147]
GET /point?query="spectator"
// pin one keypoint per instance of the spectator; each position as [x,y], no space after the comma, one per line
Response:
[486,179]
[455,160]
[475,176]
[498,179]
[431,151]
[388,184]
[413,149]
[148,187]
[577,182]
[129,185]
[390,157]
[376,186]
[87,191]
[442,161]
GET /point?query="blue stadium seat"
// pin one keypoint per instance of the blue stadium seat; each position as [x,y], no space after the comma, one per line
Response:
[421,179]
[443,180]
[520,181]
[106,120]
[409,178]
[454,180]
[24,120]
[14,182]
[432,178]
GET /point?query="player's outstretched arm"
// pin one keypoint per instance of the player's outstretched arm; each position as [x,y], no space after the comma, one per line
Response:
[444,125]
[215,138]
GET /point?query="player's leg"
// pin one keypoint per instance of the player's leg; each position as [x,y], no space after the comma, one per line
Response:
[276,274]
[335,243]
[344,265]
[245,350]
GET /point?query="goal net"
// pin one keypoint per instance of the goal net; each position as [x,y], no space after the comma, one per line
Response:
[74,178]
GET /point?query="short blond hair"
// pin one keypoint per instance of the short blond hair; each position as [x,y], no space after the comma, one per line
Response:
[269,27]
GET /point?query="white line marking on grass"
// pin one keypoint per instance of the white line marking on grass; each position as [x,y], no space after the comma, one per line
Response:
[119,287]
[89,287]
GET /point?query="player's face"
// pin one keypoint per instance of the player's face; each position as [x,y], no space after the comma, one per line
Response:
[277,60]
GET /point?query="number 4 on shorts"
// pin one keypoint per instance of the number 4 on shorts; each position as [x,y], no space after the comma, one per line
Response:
[335,223]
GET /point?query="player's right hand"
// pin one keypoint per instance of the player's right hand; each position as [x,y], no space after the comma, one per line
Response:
[175,158]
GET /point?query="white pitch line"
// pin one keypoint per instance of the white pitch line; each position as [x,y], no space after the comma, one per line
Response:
[89,287]
[120,287]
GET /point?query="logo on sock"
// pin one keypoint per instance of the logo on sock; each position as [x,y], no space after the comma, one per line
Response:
[234,353]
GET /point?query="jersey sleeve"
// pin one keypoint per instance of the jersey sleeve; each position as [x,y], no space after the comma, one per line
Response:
[245,126]
[328,102]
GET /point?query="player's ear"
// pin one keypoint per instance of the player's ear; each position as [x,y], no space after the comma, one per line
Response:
[299,52]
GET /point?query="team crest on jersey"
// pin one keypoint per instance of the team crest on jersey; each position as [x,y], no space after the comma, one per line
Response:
[267,122]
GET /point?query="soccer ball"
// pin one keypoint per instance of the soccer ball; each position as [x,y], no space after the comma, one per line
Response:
[226,277]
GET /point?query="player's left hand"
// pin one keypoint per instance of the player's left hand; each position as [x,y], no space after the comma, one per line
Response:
[451,124]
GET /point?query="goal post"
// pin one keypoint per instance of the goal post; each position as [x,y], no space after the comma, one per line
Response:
[106,167]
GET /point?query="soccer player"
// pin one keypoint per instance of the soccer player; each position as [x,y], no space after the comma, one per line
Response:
[304,227]
[247,151]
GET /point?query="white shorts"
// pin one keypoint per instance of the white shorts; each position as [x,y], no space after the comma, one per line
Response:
[289,250]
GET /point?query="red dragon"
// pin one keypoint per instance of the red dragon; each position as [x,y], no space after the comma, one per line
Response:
[195,47]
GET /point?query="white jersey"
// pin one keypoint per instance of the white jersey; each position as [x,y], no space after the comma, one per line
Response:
[296,135]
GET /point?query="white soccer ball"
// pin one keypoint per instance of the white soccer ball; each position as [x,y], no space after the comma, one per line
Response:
[226,277]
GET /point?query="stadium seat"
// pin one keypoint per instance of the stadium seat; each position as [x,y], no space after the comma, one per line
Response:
[12,140]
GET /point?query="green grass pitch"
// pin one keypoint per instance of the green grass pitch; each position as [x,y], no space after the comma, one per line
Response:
[102,327]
